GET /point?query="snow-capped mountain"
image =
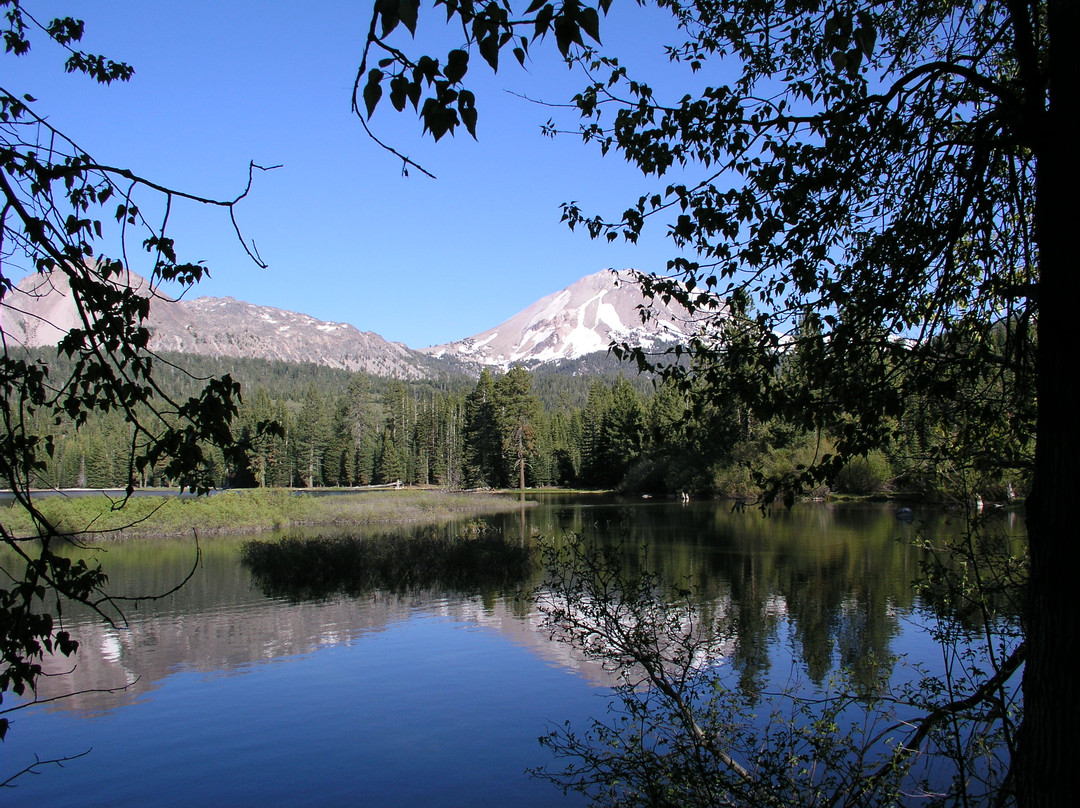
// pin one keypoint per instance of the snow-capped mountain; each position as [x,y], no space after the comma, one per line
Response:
[583,318]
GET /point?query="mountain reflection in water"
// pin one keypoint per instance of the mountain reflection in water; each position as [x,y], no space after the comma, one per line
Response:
[431,697]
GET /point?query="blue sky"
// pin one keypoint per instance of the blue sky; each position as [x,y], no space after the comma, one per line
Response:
[347,237]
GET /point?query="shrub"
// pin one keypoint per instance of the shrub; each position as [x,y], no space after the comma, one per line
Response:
[871,474]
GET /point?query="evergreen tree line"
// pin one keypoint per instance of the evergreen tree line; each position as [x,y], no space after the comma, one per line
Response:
[304,427]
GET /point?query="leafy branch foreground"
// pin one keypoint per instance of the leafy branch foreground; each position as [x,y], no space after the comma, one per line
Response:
[247,512]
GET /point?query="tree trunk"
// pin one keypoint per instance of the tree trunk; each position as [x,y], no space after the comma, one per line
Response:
[521,457]
[1050,736]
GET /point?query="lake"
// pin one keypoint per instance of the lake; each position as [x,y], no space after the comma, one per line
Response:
[219,694]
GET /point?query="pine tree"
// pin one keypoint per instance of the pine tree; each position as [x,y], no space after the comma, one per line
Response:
[481,441]
[390,464]
[621,435]
[592,419]
[517,415]
[312,434]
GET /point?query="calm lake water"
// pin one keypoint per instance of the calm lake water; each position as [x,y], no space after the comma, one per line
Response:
[220,695]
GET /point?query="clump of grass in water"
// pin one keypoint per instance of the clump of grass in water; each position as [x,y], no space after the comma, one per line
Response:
[320,567]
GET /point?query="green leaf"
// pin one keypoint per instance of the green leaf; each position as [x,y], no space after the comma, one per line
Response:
[373,91]
[436,118]
[412,90]
[468,117]
[567,32]
[543,21]
[590,23]
[457,65]
[408,11]
[399,92]
[489,49]
[426,68]
[388,12]
[467,111]
[684,227]
[866,38]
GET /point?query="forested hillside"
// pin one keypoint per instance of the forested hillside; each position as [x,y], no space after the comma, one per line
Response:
[595,425]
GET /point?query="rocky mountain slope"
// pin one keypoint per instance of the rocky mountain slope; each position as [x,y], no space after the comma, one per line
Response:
[573,323]
[583,318]
[40,310]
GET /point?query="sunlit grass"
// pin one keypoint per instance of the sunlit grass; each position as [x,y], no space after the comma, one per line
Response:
[249,511]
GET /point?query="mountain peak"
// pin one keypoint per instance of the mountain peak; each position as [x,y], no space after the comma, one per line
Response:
[583,318]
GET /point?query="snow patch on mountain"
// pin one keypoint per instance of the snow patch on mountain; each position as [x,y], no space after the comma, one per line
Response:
[584,318]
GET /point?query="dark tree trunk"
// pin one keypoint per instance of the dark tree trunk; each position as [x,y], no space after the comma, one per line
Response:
[521,456]
[1049,740]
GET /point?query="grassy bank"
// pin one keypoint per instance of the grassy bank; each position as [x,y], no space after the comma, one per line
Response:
[251,511]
